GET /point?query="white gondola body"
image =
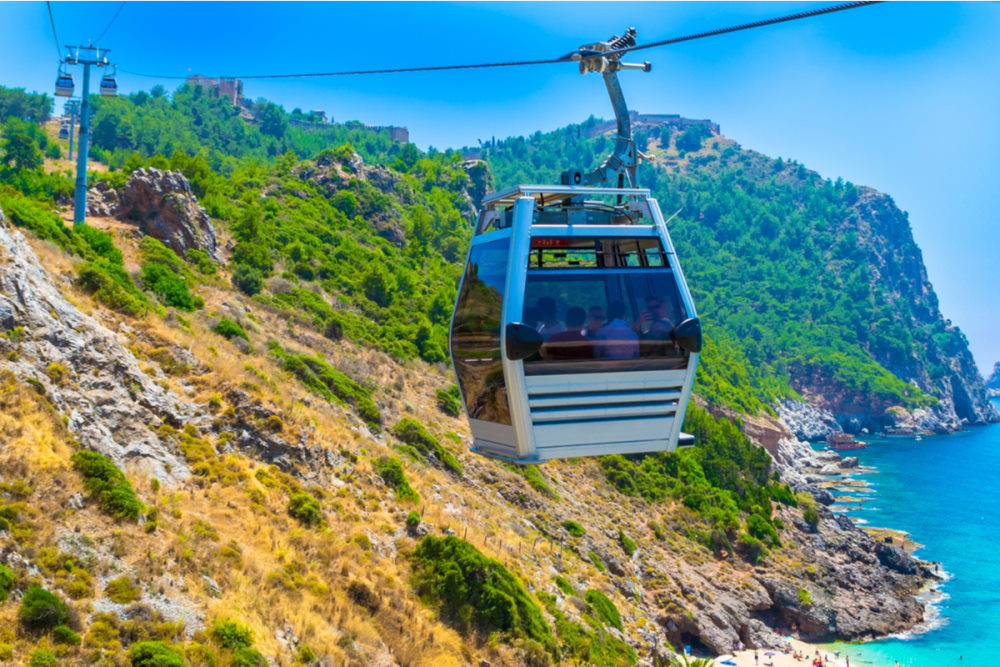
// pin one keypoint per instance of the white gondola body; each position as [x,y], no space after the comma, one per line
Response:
[530,411]
[109,86]
[64,86]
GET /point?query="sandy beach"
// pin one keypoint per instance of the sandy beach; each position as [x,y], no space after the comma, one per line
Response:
[768,658]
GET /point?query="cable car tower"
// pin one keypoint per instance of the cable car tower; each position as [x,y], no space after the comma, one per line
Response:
[574,332]
[87,56]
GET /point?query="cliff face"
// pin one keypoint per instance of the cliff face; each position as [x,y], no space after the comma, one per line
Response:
[942,365]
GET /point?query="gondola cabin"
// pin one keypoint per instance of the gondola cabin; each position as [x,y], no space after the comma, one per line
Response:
[64,85]
[574,333]
[109,86]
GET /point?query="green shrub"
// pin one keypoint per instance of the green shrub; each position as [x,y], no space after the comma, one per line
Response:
[42,657]
[329,383]
[305,508]
[761,527]
[604,607]
[201,261]
[231,634]
[247,279]
[63,634]
[573,528]
[172,289]
[247,657]
[628,544]
[811,517]
[123,590]
[41,611]
[805,599]
[475,592]
[391,471]
[229,329]
[449,401]
[112,286]
[103,479]
[593,645]
[598,562]
[564,585]
[754,550]
[413,433]
[412,519]
[154,654]
[6,579]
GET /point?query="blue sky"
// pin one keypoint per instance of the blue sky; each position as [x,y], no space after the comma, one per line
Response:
[900,96]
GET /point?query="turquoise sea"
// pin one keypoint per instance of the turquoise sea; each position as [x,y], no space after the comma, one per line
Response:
[944,491]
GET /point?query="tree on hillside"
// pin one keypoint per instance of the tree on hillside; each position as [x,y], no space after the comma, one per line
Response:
[271,118]
[16,103]
[19,149]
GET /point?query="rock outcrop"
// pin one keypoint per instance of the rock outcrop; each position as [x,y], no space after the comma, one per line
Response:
[163,206]
[806,420]
[993,383]
[86,371]
[942,366]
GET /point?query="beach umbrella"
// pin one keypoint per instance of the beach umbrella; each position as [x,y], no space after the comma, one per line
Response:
[769,654]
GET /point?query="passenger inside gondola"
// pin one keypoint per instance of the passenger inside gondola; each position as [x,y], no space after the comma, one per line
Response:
[550,323]
[571,343]
[616,339]
[654,327]
[595,320]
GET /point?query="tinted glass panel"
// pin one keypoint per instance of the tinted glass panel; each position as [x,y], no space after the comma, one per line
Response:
[591,253]
[475,333]
[604,320]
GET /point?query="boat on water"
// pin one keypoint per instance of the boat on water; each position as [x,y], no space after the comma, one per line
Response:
[903,432]
[844,441]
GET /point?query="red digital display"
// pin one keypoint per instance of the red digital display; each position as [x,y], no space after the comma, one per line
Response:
[549,243]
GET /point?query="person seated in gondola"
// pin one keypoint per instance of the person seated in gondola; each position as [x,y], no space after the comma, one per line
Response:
[571,343]
[616,340]
[595,320]
[550,323]
[654,327]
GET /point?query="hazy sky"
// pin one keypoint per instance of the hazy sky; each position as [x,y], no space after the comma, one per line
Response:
[900,96]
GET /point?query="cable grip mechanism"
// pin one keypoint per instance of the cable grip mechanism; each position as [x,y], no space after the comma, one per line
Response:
[605,58]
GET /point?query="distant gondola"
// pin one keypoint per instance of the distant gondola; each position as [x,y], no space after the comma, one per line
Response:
[64,84]
[574,332]
[109,85]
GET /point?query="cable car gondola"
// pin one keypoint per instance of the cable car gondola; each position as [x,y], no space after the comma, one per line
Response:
[64,83]
[109,85]
[574,332]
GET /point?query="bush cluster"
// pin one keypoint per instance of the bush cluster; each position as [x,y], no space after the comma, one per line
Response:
[103,479]
[167,276]
[474,592]
[305,508]
[329,383]
[414,434]
[390,469]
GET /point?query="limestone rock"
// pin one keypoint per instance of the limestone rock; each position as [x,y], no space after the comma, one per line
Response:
[163,206]
[112,406]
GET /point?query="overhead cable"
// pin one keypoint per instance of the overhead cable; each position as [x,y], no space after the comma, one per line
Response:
[110,23]
[52,22]
[549,61]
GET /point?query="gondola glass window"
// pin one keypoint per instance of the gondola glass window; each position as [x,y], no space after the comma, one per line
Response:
[602,304]
[475,334]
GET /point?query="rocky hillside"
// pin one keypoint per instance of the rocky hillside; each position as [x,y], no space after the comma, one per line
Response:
[815,285]
[227,436]
[246,508]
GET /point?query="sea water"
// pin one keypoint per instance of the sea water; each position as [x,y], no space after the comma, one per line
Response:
[945,492]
